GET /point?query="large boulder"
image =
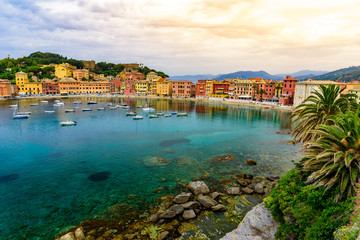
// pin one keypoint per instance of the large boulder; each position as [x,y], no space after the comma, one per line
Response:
[259,188]
[233,191]
[247,190]
[250,162]
[207,201]
[258,224]
[198,187]
[79,234]
[182,197]
[68,236]
[189,214]
[218,207]
[191,205]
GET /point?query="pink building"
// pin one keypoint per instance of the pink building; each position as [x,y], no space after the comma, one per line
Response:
[129,85]
[288,92]
[183,89]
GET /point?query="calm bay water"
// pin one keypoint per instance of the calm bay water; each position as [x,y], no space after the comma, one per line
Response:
[45,169]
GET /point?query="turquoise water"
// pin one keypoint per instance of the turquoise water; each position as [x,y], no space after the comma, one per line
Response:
[47,180]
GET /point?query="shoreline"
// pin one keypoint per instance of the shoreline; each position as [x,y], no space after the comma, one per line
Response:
[239,103]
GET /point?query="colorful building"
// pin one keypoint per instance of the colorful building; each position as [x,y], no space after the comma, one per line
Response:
[183,88]
[288,91]
[129,88]
[142,87]
[69,85]
[356,91]
[94,87]
[89,64]
[164,87]
[81,74]
[244,89]
[152,77]
[220,89]
[50,87]
[64,70]
[21,79]
[33,88]
[204,88]
[5,88]
[115,85]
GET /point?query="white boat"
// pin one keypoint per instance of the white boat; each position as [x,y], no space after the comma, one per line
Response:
[12,106]
[101,108]
[112,108]
[44,101]
[131,114]
[77,102]
[182,114]
[167,115]
[153,116]
[148,109]
[174,113]
[91,102]
[68,123]
[138,117]
[17,115]
[69,110]
[49,111]
[86,109]
[34,104]
[160,114]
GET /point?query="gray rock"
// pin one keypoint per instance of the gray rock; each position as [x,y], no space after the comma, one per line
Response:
[68,236]
[218,207]
[79,234]
[272,177]
[189,214]
[169,213]
[233,191]
[206,201]
[247,190]
[249,176]
[177,208]
[199,187]
[182,197]
[258,224]
[191,205]
[163,235]
[154,217]
[214,195]
[242,182]
[259,188]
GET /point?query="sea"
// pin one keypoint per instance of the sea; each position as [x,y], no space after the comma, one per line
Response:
[53,177]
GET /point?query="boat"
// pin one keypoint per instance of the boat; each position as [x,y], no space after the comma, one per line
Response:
[91,102]
[17,115]
[125,106]
[167,115]
[138,117]
[109,104]
[160,114]
[12,106]
[68,123]
[70,110]
[49,111]
[112,108]
[174,113]
[131,114]
[77,102]
[148,109]
[182,114]
[24,113]
[86,109]
[153,116]
[101,108]
[34,104]
[44,101]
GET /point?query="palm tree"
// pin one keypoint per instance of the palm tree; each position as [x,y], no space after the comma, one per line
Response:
[317,108]
[334,157]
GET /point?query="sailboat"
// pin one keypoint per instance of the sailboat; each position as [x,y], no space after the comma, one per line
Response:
[19,115]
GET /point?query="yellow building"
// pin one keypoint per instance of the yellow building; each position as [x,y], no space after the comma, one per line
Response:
[278,88]
[34,88]
[94,87]
[79,74]
[152,77]
[64,70]
[163,87]
[355,90]
[142,87]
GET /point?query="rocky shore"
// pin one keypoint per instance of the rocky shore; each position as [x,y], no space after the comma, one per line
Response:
[199,212]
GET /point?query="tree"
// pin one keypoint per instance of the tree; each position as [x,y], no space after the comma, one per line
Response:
[78,64]
[316,110]
[333,159]
[35,70]
[261,92]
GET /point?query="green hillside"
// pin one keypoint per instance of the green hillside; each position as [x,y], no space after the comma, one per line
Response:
[354,76]
[335,75]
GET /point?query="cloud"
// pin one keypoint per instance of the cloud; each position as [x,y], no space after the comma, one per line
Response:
[189,36]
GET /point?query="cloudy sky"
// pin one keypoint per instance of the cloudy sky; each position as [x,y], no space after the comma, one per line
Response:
[188,36]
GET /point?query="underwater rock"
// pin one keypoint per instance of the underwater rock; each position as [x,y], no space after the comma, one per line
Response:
[191,205]
[8,178]
[177,208]
[172,212]
[182,197]
[259,188]
[160,189]
[168,143]
[205,176]
[185,160]
[218,207]
[251,162]
[243,182]
[272,177]
[233,191]
[163,235]
[153,217]
[189,214]
[79,234]
[247,190]
[248,176]
[155,161]
[68,236]
[222,158]
[99,176]
[198,187]
[257,224]
[225,181]
[207,201]
[214,195]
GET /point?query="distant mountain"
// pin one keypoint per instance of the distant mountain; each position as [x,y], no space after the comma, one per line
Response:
[349,77]
[248,74]
[335,75]
[303,74]
[193,78]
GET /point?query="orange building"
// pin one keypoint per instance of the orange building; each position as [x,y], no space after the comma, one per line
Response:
[5,88]
[81,74]
[163,87]
[69,85]
[183,89]
[94,87]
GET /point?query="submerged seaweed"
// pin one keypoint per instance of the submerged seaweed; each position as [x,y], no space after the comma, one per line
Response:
[99,176]
[8,178]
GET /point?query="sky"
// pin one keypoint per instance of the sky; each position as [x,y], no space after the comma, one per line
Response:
[182,37]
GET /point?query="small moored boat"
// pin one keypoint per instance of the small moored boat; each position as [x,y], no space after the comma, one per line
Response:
[101,108]
[49,111]
[44,101]
[12,106]
[160,114]
[174,113]
[112,108]
[34,104]
[68,123]
[148,109]
[182,114]
[153,116]
[138,117]
[69,110]
[86,109]
[91,102]
[77,102]
[131,114]
[167,115]
[20,116]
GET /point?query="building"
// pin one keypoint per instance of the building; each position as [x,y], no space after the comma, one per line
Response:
[69,85]
[304,89]
[64,70]
[129,85]
[278,89]
[288,91]
[115,85]
[142,87]
[164,87]
[244,89]
[89,64]
[50,87]
[131,66]
[21,79]
[33,88]
[81,74]
[94,87]
[183,88]
[355,90]
[220,89]
[204,88]
[5,88]
[152,77]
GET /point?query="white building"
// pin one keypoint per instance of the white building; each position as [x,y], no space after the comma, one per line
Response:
[304,89]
